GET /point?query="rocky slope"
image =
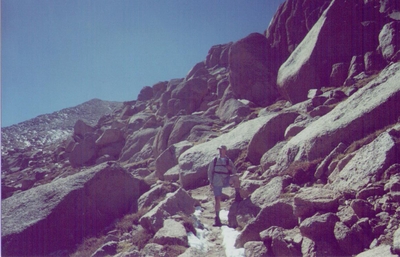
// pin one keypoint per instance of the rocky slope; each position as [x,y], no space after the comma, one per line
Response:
[52,128]
[310,115]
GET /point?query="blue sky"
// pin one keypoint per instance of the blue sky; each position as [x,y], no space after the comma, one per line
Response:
[60,53]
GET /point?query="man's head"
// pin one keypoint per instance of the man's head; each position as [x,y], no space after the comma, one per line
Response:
[222,149]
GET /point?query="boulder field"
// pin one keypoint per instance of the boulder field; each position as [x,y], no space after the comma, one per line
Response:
[309,112]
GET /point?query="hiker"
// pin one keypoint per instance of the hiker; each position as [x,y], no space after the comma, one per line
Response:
[222,173]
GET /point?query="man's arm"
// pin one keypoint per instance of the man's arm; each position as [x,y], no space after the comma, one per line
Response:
[210,171]
[232,167]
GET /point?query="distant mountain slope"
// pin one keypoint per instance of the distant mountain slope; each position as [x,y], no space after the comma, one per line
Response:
[50,128]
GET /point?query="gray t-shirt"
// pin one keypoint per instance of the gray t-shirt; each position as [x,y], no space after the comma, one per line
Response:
[217,174]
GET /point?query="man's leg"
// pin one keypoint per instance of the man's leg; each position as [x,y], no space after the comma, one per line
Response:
[217,205]
[236,184]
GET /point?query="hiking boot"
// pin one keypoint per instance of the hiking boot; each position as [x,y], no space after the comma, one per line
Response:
[217,222]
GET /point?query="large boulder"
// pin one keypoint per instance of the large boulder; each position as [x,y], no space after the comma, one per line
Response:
[172,174]
[165,161]
[248,186]
[137,121]
[372,190]
[222,85]
[268,193]
[290,25]
[109,136]
[84,152]
[323,247]
[218,55]
[194,162]
[347,240]
[60,214]
[356,66]
[136,142]
[241,213]
[201,133]
[81,128]
[112,150]
[323,166]
[198,71]
[269,157]
[183,126]
[162,137]
[396,242]
[269,134]
[166,96]
[232,108]
[361,168]
[304,69]
[145,154]
[389,41]
[373,61]
[312,200]
[363,208]
[393,184]
[282,242]
[319,226]
[159,88]
[255,249]
[278,214]
[146,93]
[188,96]
[169,158]
[338,74]
[250,76]
[389,7]
[152,197]
[179,201]
[172,233]
[363,231]
[379,251]
[373,107]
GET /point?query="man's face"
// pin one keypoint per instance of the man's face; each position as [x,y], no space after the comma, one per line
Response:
[222,151]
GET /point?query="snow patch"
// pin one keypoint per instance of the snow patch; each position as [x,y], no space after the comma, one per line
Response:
[223,215]
[229,235]
[199,241]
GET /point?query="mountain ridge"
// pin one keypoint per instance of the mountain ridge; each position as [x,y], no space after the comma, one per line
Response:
[56,126]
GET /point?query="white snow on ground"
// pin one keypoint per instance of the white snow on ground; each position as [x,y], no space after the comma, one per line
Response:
[229,238]
[229,235]
[223,215]
[199,241]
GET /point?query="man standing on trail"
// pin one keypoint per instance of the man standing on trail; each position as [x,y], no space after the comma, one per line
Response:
[222,173]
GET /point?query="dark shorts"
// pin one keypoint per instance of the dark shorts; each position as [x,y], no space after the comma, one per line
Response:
[218,189]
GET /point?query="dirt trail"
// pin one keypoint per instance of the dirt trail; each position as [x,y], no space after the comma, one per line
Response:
[206,199]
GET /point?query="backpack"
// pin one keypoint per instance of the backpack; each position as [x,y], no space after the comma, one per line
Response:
[226,164]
